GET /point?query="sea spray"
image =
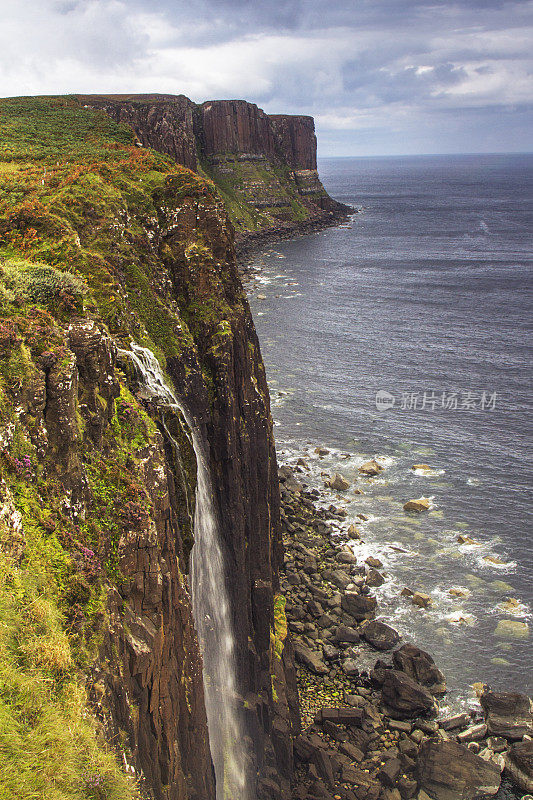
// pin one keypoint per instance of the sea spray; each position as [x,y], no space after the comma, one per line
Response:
[210,603]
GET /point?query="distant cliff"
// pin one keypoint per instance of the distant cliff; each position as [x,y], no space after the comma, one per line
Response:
[263,165]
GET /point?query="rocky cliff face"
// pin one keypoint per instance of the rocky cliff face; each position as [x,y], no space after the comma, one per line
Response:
[263,165]
[115,244]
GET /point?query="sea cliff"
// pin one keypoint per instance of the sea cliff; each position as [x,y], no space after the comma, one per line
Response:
[264,166]
[104,244]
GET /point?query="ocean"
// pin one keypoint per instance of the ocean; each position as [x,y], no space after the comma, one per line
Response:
[423,298]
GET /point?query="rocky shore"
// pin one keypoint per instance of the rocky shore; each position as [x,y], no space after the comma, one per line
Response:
[379,733]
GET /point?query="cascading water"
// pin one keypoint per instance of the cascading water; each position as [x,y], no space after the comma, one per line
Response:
[210,603]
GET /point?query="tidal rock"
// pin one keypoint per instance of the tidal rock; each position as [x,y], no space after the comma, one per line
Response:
[338,483]
[370,468]
[519,764]
[421,600]
[380,635]
[422,504]
[374,578]
[512,629]
[346,556]
[455,722]
[447,770]
[359,606]
[507,714]
[310,659]
[374,562]
[404,696]
[421,667]
[353,532]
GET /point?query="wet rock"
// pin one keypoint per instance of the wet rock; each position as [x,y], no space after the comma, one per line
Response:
[370,468]
[358,606]
[447,770]
[421,667]
[507,714]
[422,504]
[310,659]
[380,635]
[346,556]
[351,717]
[425,467]
[421,600]
[374,578]
[321,451]
[455,722]
[519,764]
[404,696]
[374,562]
[330,653]
[353,532]
[338,483]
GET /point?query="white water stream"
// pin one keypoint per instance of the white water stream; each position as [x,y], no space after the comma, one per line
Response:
[210,604]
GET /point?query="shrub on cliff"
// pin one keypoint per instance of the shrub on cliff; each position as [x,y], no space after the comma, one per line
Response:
[39,283]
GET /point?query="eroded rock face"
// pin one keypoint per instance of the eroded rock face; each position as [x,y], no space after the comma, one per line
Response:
[449,771]
[296,135]
[163,122]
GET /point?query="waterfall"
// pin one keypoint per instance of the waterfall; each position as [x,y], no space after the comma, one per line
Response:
[210,603]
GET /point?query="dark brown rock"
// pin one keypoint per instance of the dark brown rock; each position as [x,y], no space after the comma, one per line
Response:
[508,714]
[449,771]
[358,606]
[420,666]
[380,635]
[519,764]
[405,697]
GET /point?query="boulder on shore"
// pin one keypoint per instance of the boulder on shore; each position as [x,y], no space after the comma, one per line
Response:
[404,696]
[370,468]
[507,714]
[519,764]
[422,504]
[380,635]
[359,606]
[420,666]
[447,770]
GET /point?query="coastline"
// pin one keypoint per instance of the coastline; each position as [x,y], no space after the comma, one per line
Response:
[369,731]
[248,243]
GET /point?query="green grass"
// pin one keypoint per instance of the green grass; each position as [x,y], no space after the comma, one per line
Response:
[50,748]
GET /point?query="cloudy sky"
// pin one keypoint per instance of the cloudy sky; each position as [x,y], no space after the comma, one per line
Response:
[379,76]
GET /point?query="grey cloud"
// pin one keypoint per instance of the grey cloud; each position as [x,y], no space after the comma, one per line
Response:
[365,68]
